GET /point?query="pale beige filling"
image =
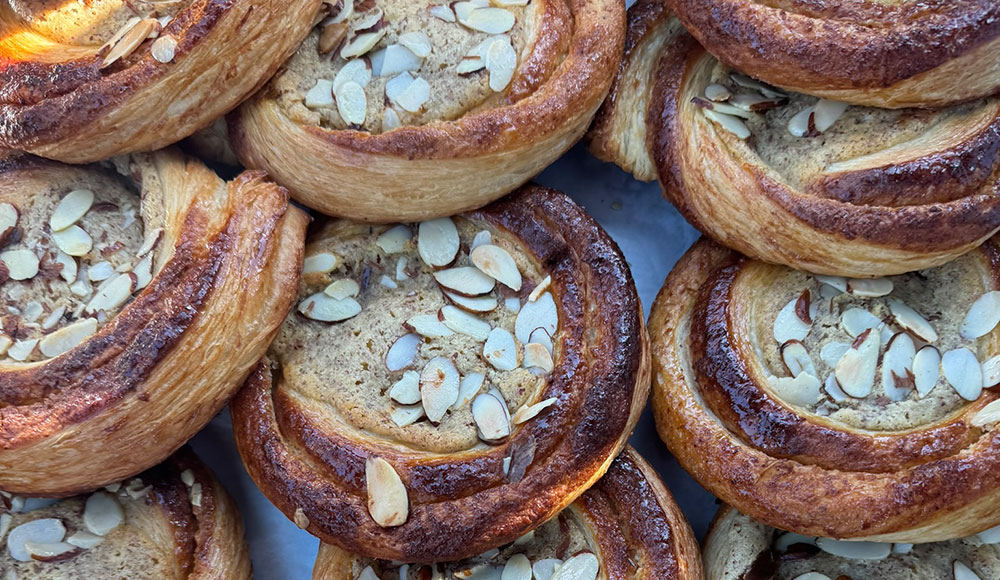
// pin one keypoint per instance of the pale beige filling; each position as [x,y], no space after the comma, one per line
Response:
[86,22]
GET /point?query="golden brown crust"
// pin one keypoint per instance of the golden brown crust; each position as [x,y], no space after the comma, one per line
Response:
[601,376]
[792,470]
[883,54]
[444,167]
[639,532]
[149,379]
[900,209]
[57,102]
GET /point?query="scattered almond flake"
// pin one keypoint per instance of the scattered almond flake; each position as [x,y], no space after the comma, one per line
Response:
[21,264]
[394,240]
[541,336]
[518,567]
[963,572]
[465,280]
[526,539]
[439,385]
[478,304]
[489,20]
[728,122]
[838,282]
[73,240]
[130,40]
[136,489]
[321,95]
[390,120]
[716,92]
[464,323]
[113,487]
[722,108]
[529,412]
[428,325]
[362,44]
[442,12]
[149,242]
[855,371]
[497,263]
[196,495]
[898,548]
[512,304]
[832,351]
[470,64]
[897,367]
[5,521]
[73,206]
[67,337]
[437,242]
[112,294]
[32,310]
[402,352]
[8,220]
[464,9]
[416,42]
[187,477]
[5,344]
[100,271]
[803,123]
[796,359]
[21,350]
[409,94]
[827,113]
[69,268]
[49,552]
[506,465]
[869,288]
[143,272]
[80,288]
[751,83]
[407,415]
[490,415]
[988,415]
[401,270]
[346,11]
[331,37]
[102,513]
[963,372]
[300,519]
[369,574]
[501,350]
[583,566]
[84,540]
[788,325]
[911,320]
[541,287]
[855,550]
[321,263]
[538,356]
[395,59]
[501,62]
[352,103]
[164,49]
[541,313]
[388,503]
[343,288]
[991,372]
[983,316]
[470,386]
[546,568]
[802,390]
[388,282]
[812,576]
[854,321]
[990,536]
[406,391]
[323,308]
[40,531]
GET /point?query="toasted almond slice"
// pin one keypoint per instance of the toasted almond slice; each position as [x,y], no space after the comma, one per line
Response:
[897,367]
[838,282]
[855,550]
[722,109]
[395,59]
[143,272]
[870,287]
[802,390]
[53,552]
[195,495]
[463,9]
[490,415]
[855,371]
[428,325]
[40,531]
[470,386]
[470,64]
[407,415]
[102,513]
[401,270]
[343,288]
[320,263]
[482,238]
[797,359]
[323,308]
[439,384]
[983,316]
[529,412]
[53,318]
[465,280]
[413,97]
[544,569]
[352,103]
[73,240]
[988,415]
[406,391]
[21,264]
[540,336]
[788,325]
[803,123]
[22,350]
[963,372]
[518,567]
[538,356]
[130,41]
[477,304]
[394,239]
[5,343]
[67,337]
[832,351]
[357,71]
[442,12]
[164,49]
[402,352]
[388,503]
[827,113]
[501,62]
[346,10]
[716,92]
[100,271]
[541,313]
[368,21]
[990,536]
[583,566]
[497,263]
[390,120]
[911,320]
[730,123]
[369,574]
[112,294]
[991,372]
[854,321]
[832,388]
[362,44]
[489,20]
[963,572]
[69,267]
[501,350]
[85,540]
[8,220]
[464,323]
[437,242]
[417,42]
[73,206]
[397,85]
[542,287]
[321,95]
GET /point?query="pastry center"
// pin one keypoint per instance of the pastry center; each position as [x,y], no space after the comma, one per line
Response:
[437,337]
[375,65]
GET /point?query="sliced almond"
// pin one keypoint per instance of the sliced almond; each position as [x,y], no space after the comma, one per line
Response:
[134,36]
[497,263]
[991,372]
[963,572]
[464,323]
[343,288]
[963,372]
[397,59]
[832,388]
[730,123]
[390,120]
[22,350]
[388,502]
[541,313]
[354,71]
[323,308]
[407,415]
[437,242]
[73,206]
[529,412]
[540,336]
[803,123]
[853,550]
[490,415]
[352,103]
[512,304]
[990,536]
[854,321]
[53,318]
[717,92]
[8,221]
[195,495]
[164,49]
[465,280]
[100,271]
[428,325]
[518,567]
[362,44]
[469,65]
[21,264]
[802,390]
[897,367]
[40,531]
[85,540]
[413,97]
[544,569]
[788,325]
[394,239]
[143,272]
[53,552]
[855,371]
[320,263]
[402,352]
[832,351]
[69,267]
[542,287]
[406,391]
[73,240]
[369,574]
[911,320]
[401,269]
[827,113]
[102,513]
[501,62]
[442,12]
[501,350]
[583,566]
[67,337]
[439,383]
[983,316]
[418,43]
[489,20]
[537,356]
[321,95]
[478,304]
[869,288]
[797,359]
[988,415]
[838,282]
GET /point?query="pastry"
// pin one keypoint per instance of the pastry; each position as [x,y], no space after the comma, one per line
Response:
[896,53]
[465,377]
[830,406]
[125,297]
[626,527]
[399,110]
[789,179]
[84,80]
[738,548]
[172,522]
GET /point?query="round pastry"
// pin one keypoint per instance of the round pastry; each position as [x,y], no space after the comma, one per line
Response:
[398,110]
[882,53]
[466,377]
[172,522]
[125,298]
[84,80]
[830,406]
[793,180]
[626,527]
[738,548]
